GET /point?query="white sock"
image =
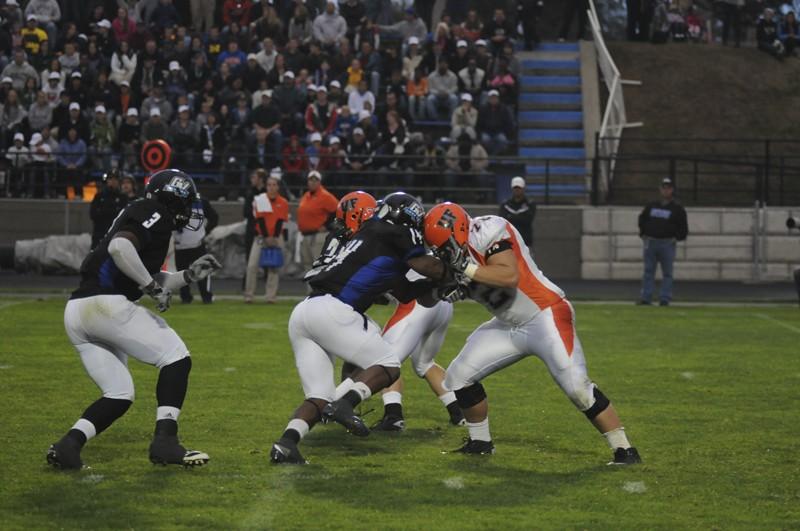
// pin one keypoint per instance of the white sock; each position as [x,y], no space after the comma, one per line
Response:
[617,438]
[392,397]
[86,427]
[479,431]
[342,388]
[363,391]
[298,425]
[448,398]
[167,412]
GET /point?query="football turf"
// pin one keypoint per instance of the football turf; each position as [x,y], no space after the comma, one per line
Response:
[709,395]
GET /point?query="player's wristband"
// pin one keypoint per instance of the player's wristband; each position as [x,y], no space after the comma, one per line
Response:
[470,271]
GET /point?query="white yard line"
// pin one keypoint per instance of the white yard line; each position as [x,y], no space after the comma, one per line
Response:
[9,304]
[778,322]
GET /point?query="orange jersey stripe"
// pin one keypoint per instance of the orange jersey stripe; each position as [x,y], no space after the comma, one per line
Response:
[399,314]
[528,283]
[562,315]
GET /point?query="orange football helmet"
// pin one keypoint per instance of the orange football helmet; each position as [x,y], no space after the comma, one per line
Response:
[447,225]
[355,208]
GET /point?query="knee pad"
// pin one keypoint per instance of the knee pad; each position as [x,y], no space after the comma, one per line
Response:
[601,402]
[469,396]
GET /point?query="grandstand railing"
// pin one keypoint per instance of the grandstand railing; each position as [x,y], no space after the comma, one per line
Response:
[769,175]
[708,171]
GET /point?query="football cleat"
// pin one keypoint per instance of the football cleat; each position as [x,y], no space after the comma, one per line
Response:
[626,456]
[342,412]
[65,454]
[285,451]
[390,423]
[475,447]
[166,450]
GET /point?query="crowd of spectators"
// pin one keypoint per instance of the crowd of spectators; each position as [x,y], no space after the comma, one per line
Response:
[352,89]
[660,21]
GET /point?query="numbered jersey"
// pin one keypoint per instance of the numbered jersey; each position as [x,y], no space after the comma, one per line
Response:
[372,262]
[152,224]
[490,235]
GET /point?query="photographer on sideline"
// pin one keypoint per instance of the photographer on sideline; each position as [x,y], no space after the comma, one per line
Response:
[661,224]
[794,223]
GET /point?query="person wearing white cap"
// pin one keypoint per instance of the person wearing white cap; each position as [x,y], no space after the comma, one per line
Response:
[18,71]
[253,76]
[128,136]
[465,118]
[495,124]
[184,135]
[155,126]
[460,59]
[359,152]
[32,35]
[47,14]
[103,139]
[52,88]
[74,119]
[412,59]
[18,156]
[316,208]
[520,211]
[360,97]
[329,28]
[321,115]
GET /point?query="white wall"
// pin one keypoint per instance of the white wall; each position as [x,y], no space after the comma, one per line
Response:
[721,244]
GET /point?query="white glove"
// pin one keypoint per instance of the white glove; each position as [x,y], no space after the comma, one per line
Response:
[201,268]
[158,294]
[452,293]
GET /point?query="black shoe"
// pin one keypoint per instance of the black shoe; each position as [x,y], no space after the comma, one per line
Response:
[390,423]
[208,300]
[65,454]
[663,303]
[626,456]
[285,451]
[475,447]
[342,412]
[643,303]
[187,300]
[166,450]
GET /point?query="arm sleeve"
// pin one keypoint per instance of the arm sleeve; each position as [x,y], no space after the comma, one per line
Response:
[407,291]
[127,260]
[642,218]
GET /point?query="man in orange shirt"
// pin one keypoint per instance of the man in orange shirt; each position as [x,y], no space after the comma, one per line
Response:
[317,207]
[269,226]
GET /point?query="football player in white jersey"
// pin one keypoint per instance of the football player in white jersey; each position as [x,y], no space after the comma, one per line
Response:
[531,318]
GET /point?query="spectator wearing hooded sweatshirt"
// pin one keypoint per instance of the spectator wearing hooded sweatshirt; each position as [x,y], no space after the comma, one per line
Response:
[19,70]
[329,28]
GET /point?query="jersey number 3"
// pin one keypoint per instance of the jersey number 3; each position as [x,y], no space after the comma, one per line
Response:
[152,221]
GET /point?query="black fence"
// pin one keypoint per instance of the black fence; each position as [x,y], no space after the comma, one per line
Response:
[707,172]
[718,172]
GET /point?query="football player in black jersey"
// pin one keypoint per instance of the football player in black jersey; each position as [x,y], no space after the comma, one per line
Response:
[332,323]
[106,327]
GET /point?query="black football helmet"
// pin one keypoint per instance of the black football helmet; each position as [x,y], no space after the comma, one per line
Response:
[401,208]
[176,190]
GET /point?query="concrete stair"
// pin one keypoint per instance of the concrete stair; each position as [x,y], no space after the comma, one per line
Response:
[551,135]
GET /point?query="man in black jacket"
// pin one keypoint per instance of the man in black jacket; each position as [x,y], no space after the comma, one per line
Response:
[520,210]
[661,224]
[106,205]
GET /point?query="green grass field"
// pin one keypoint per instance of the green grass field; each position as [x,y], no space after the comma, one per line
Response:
[709,395]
